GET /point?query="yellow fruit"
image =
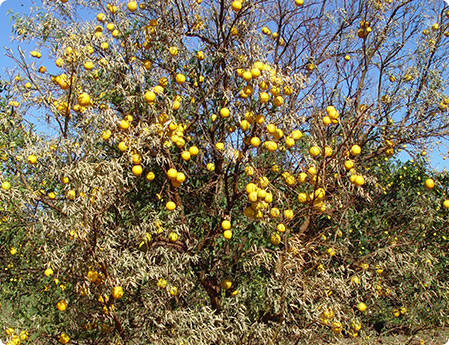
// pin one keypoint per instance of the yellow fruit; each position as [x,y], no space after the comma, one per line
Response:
[246,75]
[275,91]
[173,51]
[158,90]
[84,99]
[361,306]
[271,128]
[280,227]
[226,225]
[106,134]
[430,183]
[48,272]
[227,234]
[236,5]
[314,151]
[61,305]
[173,236]
[396,313]
[210,166]
[113,9]
[287,90]
[137,170]
[274,212]
[150,176]
[185,155]
[180,177]
[88,65]
[146,64]
[255,141]
[255,72]
[200,55]
[296,134]
[193,150]
[59,62]
[226,284]
[224,112]
[349,164]
[64,338]
[263,182]
[170,205]
[136,158]
[356,150]
[162,283]
[32,159]
[263,97]
[302,198]
[446,204]
[278,134]
[335,326]
[278,101]
[261,194]
[289,142]
[122,146]
[180,78]
[132,6]
[319,194]
[172,174]
[266,31]
[150,96]
[359,180]
[356,325]
[71,194]
[252,196]
[124,124]
[173,291]
[327,120]
[327,151]
[260,119]
[269,145]
[24,335]
[245,125]
[275,239]
[117,292]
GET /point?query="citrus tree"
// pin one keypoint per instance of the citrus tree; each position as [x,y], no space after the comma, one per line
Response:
[219,171]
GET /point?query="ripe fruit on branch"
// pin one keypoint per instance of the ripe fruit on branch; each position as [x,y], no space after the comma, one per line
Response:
[356,150]
[117,292]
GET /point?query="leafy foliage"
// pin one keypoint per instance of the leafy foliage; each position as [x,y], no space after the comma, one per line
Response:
[217,174]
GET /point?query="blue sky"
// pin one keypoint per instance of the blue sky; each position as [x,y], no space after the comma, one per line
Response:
[5,25]
[23,6]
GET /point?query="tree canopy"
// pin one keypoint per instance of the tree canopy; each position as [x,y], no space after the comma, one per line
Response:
[224,172]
